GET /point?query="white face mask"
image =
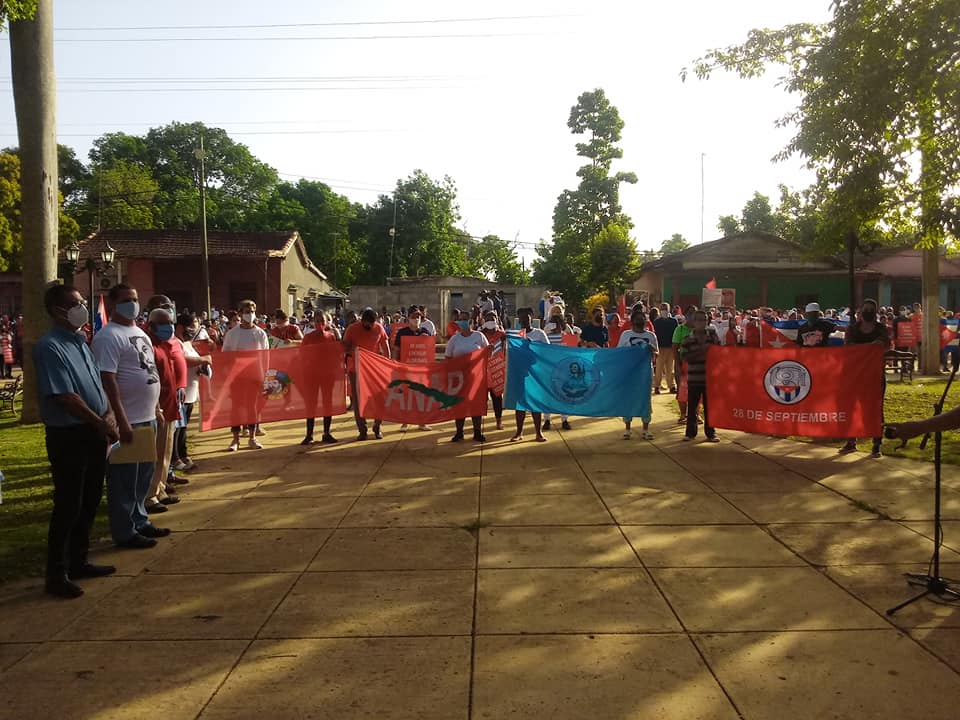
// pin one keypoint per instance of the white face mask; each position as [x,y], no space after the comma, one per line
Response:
[248,317]
[77,316]
[414,323]
[490,324]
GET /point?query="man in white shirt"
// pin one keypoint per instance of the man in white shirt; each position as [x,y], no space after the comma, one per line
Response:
[426,323]
[246,336]
[128,370]
[639,335]
[464,343]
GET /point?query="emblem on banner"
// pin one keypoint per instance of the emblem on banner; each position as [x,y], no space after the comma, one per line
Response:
[575,380]
[276,384]
[787,382]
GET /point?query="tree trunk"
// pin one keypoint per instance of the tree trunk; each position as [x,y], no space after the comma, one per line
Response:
[35,101]
[930,349]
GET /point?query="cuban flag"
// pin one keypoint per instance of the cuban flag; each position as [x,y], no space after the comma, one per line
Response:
[779,334]
[100,319]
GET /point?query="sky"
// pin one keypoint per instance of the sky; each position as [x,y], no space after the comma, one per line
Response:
[359,94]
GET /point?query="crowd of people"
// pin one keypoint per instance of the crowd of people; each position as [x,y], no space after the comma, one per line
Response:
[117,403]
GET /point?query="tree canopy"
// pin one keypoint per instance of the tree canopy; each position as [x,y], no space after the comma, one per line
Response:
[581,215]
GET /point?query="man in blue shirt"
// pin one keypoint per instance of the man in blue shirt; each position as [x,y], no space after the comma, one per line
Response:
[595,334]
[79,428]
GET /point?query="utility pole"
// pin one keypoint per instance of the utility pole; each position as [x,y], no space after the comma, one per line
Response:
[205,261]
[702,195]
[393,235]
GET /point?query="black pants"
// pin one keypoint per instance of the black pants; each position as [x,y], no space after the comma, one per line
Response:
[696,394]
[326,425]
[78,462]
[497,405]
[179,451]
[477,427]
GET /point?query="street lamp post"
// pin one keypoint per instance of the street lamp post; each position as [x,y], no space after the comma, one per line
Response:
[107,256]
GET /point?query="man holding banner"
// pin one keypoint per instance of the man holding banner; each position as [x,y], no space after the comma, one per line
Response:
[464,343]
[639,335]
[694,348]
[369,335]
[867,331]
[496,363]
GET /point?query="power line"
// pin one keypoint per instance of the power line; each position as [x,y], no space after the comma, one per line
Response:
[288,78]
[426,21]
[129,90]
[310,38]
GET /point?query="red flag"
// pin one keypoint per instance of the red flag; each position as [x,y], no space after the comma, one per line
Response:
[712,284]
[261,386]
[622,306]
[815,392]
[418,349]
[422,394]
[497,367]
[906,334]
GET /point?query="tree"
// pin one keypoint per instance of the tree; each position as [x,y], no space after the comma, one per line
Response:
[427,240]
[729,225]
[674,244]
[580,215]
[497,259]
[757,216]
[879,87]
[35,103]
[11,223]
[121,195]
[614,263]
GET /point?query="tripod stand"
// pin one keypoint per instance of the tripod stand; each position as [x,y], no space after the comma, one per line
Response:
[932,583]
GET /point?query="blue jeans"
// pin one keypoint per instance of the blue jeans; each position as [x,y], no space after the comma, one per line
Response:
[127,488]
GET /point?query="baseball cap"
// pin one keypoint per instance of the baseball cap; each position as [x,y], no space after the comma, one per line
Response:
[812,307]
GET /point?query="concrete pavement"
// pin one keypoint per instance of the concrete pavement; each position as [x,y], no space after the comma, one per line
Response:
[588,576]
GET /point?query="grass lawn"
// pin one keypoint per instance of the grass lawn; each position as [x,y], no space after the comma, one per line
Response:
[906,401]
[27,500]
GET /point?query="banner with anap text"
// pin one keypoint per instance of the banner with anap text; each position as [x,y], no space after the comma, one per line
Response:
[422,394]
[834,392]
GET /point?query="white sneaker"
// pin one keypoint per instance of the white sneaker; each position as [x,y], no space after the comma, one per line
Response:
[180,465]
[424,427]
[254,445]
[627,434]
[260,431]
[403,427]
[647,435]
[234,446]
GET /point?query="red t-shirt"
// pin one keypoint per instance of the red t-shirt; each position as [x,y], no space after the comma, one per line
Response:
[751,335]
[358,336]
[166,369]
[318,336]
[287,333]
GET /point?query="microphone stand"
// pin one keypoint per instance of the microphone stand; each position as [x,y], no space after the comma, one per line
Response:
[932,582]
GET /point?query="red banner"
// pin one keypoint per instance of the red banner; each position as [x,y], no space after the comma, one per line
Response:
[262,386]
[831,392]
[572,340]
[422,394]
[418,349]
[906,337]
[497,367]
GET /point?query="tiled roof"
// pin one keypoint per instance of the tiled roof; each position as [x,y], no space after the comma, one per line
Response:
[173,244]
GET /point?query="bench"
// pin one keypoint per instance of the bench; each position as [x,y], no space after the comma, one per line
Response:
[900,361]
[10,392]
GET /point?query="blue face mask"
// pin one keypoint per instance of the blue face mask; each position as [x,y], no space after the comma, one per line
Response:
[463,324]
[129,310]
[163,332]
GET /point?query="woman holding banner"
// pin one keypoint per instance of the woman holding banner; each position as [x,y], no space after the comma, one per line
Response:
[249,385]
[495,367]
[533,335]
[465,342]
[639,335]
[323,331]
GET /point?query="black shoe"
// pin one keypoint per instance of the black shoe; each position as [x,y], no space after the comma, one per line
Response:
[328,439]
[656,391]
[546,425]
[157,508]
[170,489]
[177,480]
[308,440]
[138,542]
[62,586]
[565,425]
[151,531]
[673,391]
[88,570]
[377,434]
[479,438]
[362,436]
[170,500]
[457,438]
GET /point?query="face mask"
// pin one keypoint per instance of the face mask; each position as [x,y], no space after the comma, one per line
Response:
[463,324]
[248,317]
[163,332]
[129,309]
[812,316]
[77,316]
[869,315]
[490,325]
[414,323]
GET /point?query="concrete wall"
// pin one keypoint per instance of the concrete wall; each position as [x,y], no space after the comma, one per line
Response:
[441,296]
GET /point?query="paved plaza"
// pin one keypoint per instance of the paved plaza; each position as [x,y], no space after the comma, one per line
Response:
[586,577]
